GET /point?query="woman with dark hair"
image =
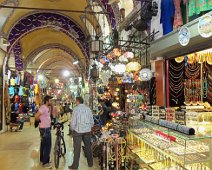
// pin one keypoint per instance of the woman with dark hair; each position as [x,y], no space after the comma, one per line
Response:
[44,116]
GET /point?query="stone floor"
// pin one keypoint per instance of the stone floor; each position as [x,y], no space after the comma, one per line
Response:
[20,151]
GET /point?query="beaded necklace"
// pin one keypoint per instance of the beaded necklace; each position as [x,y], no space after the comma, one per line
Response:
[204,88]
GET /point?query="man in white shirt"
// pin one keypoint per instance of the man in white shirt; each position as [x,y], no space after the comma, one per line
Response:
[81,124]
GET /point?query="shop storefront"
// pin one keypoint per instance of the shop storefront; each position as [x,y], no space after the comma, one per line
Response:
[176,131]
[167,114]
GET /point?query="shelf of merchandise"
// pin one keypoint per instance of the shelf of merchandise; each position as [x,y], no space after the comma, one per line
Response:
[181,160]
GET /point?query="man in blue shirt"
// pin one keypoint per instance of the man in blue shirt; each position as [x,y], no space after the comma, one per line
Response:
[81,124]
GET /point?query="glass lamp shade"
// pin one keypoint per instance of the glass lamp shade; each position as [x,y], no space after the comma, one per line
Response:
[145,74]
[129,54]
[116,52]
[190,58]
[115,104]
[209,59]
[111,55]
[120,68]
[179,59]
[94,73]
[122,13]
[123,59]
[133,67]
[96,46]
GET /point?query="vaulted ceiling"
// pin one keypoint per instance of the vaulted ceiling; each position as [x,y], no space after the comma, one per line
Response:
[51,34]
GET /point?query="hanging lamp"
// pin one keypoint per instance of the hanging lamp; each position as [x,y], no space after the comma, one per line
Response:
[145,74]
[179,59]
[129,54]
[120,68]
[117,52]
[133,67]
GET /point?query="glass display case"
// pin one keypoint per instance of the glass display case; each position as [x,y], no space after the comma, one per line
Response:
[200,121]
[159,148]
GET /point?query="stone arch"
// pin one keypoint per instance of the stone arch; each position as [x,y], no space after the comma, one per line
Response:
[39,20]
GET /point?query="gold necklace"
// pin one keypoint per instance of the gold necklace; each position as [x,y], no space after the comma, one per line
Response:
[176,85]
[193,67]
[208,68]
[176,81]
[175,68]
[176,76]
[192,75]
[176,91]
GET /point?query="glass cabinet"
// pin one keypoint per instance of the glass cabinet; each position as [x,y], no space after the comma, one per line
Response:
[159,148]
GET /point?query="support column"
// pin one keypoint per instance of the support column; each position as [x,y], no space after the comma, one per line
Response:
[160,82]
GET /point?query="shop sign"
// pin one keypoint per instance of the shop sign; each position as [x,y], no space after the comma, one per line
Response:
[184,36]
[205,26]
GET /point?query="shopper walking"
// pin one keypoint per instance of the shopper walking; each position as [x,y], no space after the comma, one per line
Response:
[44,116]
[81,124]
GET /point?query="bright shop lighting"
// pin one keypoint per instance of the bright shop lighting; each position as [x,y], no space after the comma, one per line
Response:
[76,62]
[56,81]
[66,73]
[120,68]
[40,77]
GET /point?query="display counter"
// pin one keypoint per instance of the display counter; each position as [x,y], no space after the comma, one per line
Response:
[162,148]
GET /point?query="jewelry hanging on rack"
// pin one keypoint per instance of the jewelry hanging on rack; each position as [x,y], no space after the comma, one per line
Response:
[209,83]
[192,71]
[176,81]
[176,90]
[175,68]
[204,88]
[176,75]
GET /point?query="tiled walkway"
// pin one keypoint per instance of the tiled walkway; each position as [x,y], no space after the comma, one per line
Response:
[20,151]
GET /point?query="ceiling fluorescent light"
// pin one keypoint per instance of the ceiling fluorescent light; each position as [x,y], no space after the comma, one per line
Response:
[76,62]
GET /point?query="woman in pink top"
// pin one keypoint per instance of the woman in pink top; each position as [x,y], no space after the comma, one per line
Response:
[44,116]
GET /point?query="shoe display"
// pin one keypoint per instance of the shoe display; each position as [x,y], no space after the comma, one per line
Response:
[47,166]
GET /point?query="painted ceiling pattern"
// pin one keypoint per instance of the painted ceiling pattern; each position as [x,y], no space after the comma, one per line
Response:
[42,20]
[58,22]
[18,56]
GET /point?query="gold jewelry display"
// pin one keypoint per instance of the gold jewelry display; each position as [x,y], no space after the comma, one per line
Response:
[176,81]
[160,154]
